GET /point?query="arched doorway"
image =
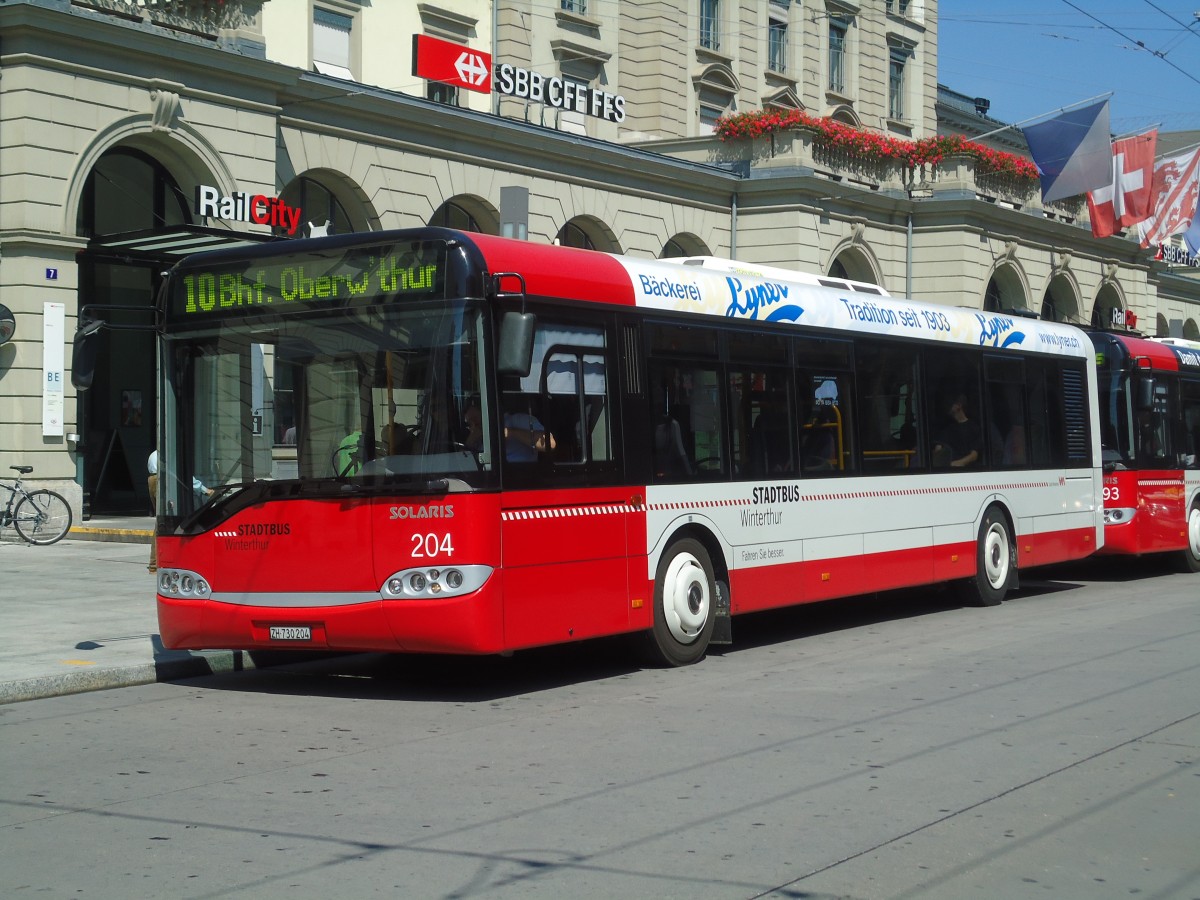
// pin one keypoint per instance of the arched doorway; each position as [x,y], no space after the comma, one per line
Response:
[126,191]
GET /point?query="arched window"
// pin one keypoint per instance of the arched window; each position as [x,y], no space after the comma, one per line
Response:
[571,235]
[716,92]
[991,297]
[672,249]
[321,213]
[128,190]
[451,215]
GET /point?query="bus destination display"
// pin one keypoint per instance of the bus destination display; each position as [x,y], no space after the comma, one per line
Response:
[361,274]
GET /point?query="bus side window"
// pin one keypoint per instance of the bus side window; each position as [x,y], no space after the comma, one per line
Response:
[687,422]
[762,423]
[889,414]
[960,435]
[1189,396]
[1004,378]
[565,406]
[826,427]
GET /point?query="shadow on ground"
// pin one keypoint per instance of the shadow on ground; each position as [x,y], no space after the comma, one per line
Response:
[480,679]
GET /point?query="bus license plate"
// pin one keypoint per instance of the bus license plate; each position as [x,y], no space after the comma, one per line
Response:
[290,633]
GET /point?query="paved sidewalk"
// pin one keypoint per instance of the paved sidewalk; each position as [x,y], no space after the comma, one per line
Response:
[79,615]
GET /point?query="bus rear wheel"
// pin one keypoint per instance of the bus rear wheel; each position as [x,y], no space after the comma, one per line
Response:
[684,605]
[994,563]
[1189,557]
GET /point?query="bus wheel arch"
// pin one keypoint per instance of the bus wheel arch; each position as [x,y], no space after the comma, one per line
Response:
[1189,557]
[686,596]
[995,558]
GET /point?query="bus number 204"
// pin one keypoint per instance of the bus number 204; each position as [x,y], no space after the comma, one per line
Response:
[431,545]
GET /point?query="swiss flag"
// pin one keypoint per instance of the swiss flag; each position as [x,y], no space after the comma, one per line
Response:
[1127,200]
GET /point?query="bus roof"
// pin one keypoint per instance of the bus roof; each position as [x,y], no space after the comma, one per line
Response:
[1163,354]
[737,267]
[732,290]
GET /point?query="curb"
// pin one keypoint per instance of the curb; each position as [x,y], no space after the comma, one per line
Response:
[110,535]
[173,667]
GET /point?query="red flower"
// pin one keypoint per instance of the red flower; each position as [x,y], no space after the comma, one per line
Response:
[871,146]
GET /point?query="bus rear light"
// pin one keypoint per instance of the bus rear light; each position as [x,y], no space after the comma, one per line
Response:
[182,583]
[429,583]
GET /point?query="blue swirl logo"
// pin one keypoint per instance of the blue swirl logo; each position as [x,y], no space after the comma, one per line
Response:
[748,302]
[997,331]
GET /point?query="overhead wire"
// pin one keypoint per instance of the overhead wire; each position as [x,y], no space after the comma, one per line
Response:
[1135,41]
[1187,29]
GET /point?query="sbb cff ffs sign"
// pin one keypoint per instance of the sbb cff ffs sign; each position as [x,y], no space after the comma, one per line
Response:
[451,63]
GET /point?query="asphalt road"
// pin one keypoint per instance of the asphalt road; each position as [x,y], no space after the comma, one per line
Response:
[889,747]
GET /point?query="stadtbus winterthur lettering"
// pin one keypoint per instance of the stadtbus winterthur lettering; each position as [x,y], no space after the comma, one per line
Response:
[206,292]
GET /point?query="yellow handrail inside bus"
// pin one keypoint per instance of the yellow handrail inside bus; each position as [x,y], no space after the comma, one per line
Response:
[838,461]
[904,455]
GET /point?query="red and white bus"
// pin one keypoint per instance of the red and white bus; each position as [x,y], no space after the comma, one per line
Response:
[432,441]
[1149,399]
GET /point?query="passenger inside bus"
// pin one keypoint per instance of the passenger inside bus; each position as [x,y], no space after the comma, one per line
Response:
[820,439]
[959,442]
[770,441]
[525,437]
[1149,440]
[395,439]
[670,456]
[437,430]
[473,420]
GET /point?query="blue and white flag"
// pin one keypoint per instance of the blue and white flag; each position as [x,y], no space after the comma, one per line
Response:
[1073,151]
[1191,238]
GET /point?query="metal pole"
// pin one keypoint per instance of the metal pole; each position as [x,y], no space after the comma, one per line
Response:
[733,225]
[908,251]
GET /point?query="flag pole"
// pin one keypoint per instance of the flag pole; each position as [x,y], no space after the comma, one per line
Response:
[1063,109]
[1180,150]
[1138,133]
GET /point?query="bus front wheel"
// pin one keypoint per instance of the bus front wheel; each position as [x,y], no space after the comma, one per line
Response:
[684,605]
[994,563]
[1190,555]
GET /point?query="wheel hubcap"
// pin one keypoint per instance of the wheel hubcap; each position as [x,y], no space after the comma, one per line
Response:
[1194,533]
[686,598]
[996,556]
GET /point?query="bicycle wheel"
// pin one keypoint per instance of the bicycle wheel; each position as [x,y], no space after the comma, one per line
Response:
[42,517]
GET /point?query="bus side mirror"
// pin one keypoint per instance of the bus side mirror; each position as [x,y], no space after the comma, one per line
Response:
[84,350]
[1143,398]
[514,355]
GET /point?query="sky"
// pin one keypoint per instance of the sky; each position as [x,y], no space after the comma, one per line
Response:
[1033,57]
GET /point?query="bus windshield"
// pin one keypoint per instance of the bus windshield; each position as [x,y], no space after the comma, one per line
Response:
[1139,412]
[389,396]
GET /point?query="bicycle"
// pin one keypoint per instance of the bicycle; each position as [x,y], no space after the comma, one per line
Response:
[41,517]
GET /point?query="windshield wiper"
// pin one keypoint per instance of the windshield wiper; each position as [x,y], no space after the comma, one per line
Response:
[217,493]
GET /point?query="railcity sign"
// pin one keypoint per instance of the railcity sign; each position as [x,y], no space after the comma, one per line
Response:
[243,207]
